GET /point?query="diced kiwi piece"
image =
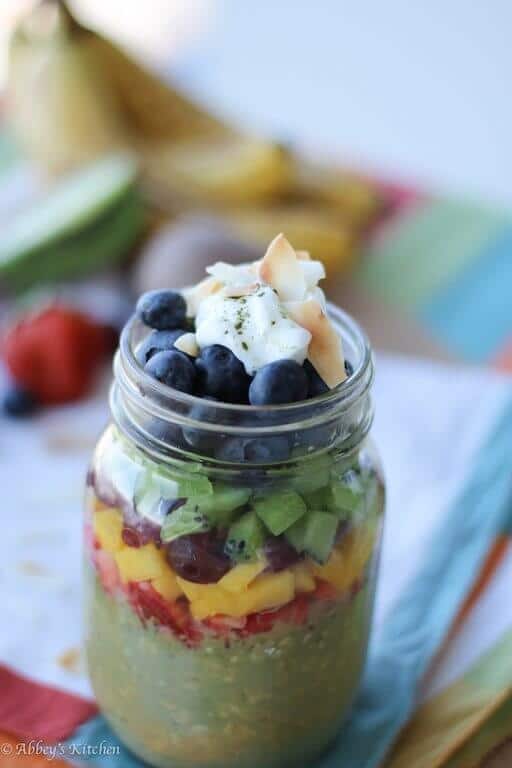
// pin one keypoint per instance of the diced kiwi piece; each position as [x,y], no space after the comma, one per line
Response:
[280,510]
[320,535]
[312,475]
[296,534]
[181,485]
[183,521]
[347,491]
[314,534]
[321,498]
[245,537]
[220,507]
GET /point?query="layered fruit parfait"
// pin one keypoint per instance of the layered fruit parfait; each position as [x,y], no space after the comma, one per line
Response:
[234,510]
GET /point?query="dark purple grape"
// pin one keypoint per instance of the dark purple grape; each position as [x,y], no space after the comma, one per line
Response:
[143,533]
[280,554]
[342,530]
[199,557]
[138,530]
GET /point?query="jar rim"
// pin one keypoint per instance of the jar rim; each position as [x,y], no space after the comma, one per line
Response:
[136,383]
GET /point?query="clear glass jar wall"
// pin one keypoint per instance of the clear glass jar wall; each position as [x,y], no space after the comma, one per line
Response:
[231,563]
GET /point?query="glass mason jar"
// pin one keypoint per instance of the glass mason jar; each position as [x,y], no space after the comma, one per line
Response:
[198,659]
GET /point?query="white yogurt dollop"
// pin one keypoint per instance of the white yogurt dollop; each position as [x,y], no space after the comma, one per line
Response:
[255,327]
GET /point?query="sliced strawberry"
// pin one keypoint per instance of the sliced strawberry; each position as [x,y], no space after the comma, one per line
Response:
[225,624]
[107,569]
[326,591]
[149,604]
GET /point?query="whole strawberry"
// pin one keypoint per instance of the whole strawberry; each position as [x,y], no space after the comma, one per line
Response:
[54,354]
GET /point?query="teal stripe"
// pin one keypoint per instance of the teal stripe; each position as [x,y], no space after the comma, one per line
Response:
[404,649]
[426,248]
[473,314]
[9,152]
[94,742]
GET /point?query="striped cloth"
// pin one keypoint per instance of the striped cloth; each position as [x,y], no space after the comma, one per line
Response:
[447,263]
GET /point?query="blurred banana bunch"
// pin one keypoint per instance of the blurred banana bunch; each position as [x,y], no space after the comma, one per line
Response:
[73,95]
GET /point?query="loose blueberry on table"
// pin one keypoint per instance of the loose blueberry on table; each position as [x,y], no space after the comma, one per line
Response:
[19,403]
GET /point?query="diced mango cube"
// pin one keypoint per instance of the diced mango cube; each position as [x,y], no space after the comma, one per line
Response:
[270,590]
[218,602]
[167,585]
[108,526]
[215,600]
[347,562]
[192,590]
[266,591]
[141,564]
[337,570]
[238,578]
[304,579]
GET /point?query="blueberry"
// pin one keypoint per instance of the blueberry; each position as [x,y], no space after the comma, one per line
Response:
[203,440]
[19,403]
[263,449]
[316,385]
[349,368]
[283,381]
[174,369]
[163,310]
[168,433]
[222,375]
[314,438]
[232,449]
[253,450]
[157,341]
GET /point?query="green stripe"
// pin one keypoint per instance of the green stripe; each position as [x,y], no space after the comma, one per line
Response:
[452,719]
[497,730]
[427,248]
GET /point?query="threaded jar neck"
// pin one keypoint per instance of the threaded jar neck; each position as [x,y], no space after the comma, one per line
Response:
[171,425]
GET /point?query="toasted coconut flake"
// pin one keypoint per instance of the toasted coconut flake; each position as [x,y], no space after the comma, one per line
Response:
[325,349]
[187,343]
[199,292]
[235,291]
[303,255]
[232,274]
[313,272]
[282,270]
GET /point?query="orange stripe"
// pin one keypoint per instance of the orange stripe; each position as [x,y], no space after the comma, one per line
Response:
[503,360]
[16,758]
[490,567]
